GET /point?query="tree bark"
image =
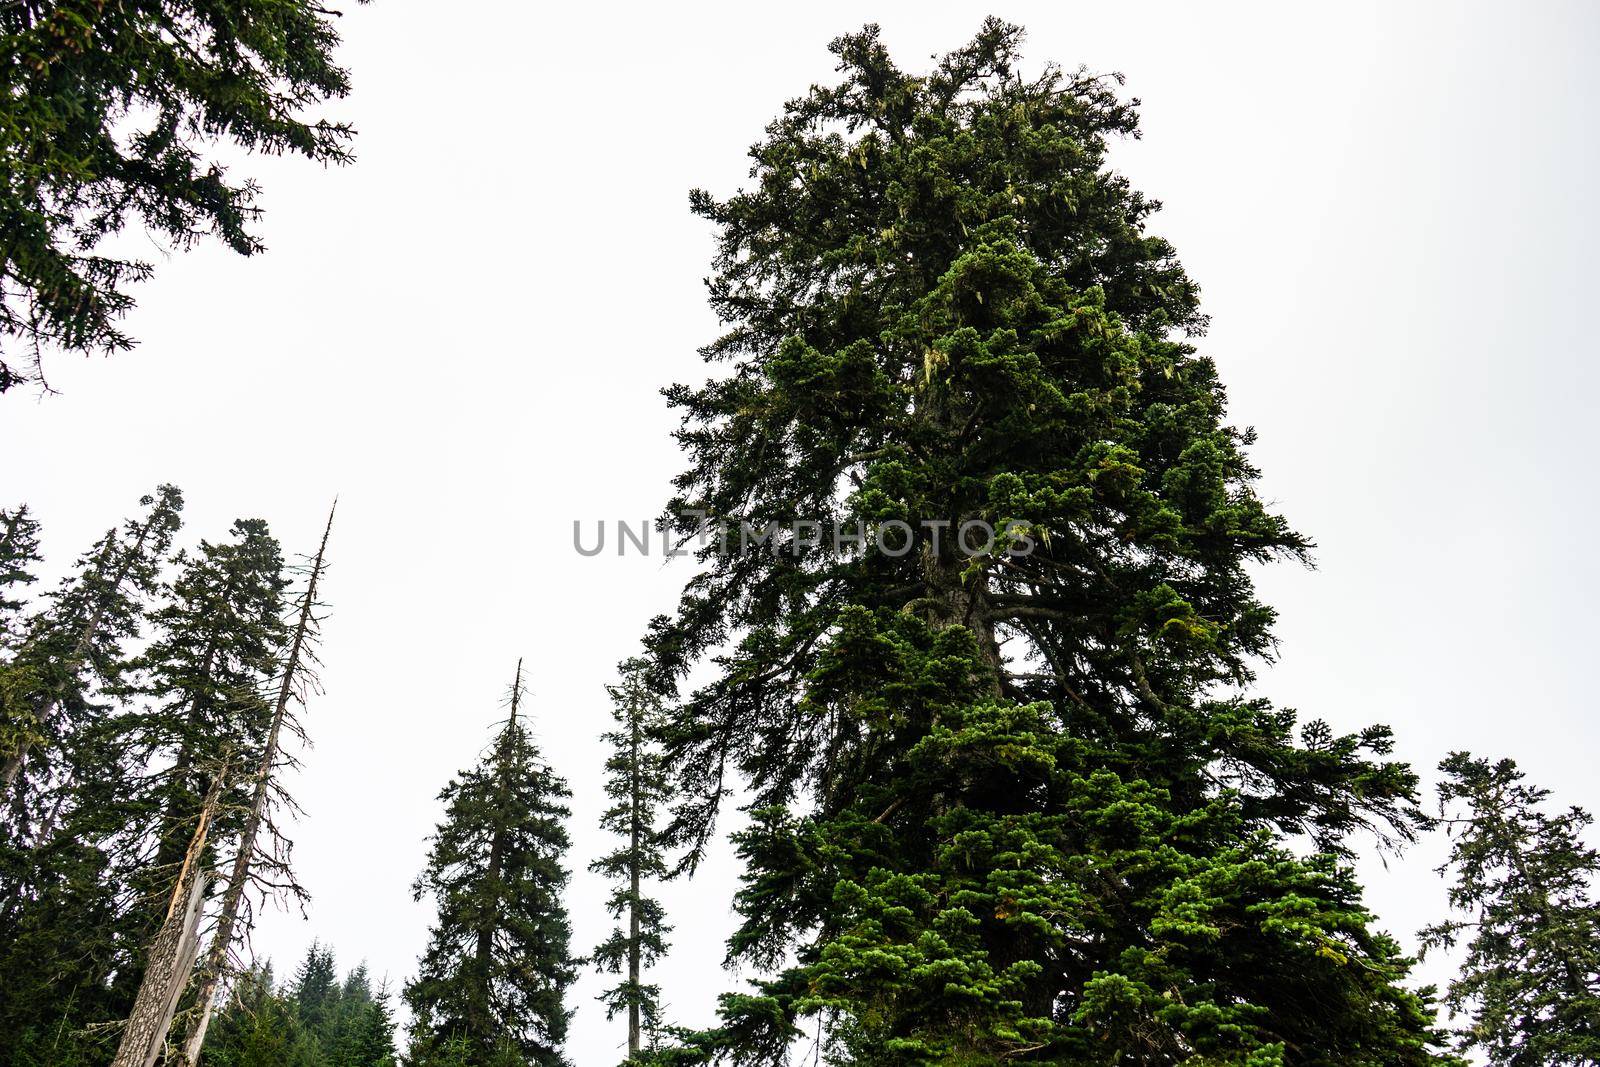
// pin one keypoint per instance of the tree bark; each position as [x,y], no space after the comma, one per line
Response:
[172,954]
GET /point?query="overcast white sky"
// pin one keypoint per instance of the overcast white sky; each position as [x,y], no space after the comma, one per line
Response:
[1390,211]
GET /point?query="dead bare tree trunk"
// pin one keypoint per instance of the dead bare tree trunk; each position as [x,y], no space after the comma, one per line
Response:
[172,954]
[227,919]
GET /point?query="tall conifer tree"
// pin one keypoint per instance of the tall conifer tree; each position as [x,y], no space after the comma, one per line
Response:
[19,555]
[1524,885]
[637,783]
[1014,801]
[205,677]
[490,988]
[260,852]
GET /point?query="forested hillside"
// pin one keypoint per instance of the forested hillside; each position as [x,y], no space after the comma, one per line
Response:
[312,1020]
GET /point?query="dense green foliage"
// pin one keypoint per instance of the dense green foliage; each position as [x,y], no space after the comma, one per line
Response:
[1524,883]
[111,115]
[315,1021]
[1011,805]
[490,989]
[204,679]
[986,673]
[638,787]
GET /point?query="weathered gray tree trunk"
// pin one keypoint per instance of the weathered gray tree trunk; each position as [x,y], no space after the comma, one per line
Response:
[227,919]
[171,958]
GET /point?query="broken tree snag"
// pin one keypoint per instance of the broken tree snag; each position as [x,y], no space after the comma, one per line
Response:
[173,952]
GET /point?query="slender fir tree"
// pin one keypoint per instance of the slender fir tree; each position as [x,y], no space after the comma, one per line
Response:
[19,555]
[261,852]
[637,783]
[490,988]
[1014,801]
[112,115]
[1524,881]
[76,643]
[362,1033]
[371,1040]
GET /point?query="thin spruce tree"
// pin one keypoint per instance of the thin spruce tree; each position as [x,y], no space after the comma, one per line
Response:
[638,787]
[113,116]
[362,1033]
[75,644]
[19,555]
[1013,799]
[261,852]
[19,721]
[1523,889]
[490,988]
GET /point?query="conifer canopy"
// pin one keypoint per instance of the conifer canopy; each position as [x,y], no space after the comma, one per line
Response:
[490,989]
[1013,802]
